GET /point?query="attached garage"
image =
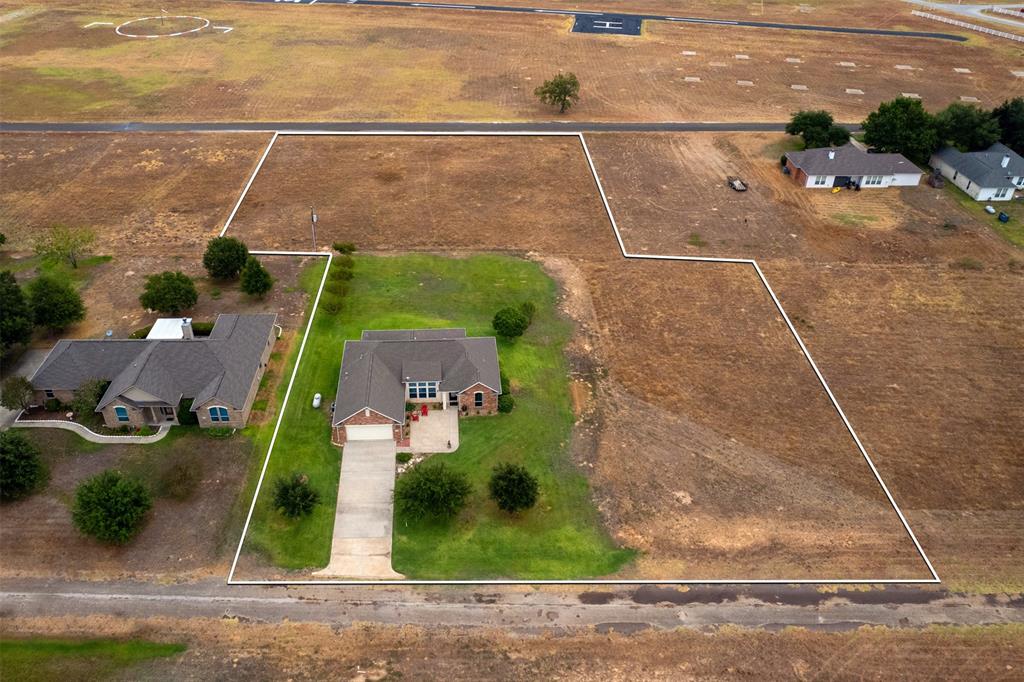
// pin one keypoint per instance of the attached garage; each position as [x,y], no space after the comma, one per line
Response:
[369,432]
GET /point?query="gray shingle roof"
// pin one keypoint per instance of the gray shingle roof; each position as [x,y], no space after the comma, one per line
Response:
[221,366]
[850,161]
[374,368]
[985,168]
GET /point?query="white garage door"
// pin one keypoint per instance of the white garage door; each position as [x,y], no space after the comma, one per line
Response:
[369,432]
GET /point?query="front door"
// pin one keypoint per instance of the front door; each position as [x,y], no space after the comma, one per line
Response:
[453,399]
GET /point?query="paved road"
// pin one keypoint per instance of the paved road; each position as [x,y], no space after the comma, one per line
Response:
[361,546]
[358,126]
[641,17]
[529,611]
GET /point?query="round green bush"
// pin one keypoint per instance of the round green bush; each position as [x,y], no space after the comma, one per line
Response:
[505,403]
[111,507]
[510,322]
[432,490]
[225,257]
[513,488]
[294,496]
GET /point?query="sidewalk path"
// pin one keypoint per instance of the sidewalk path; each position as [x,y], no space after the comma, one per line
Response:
[92,436]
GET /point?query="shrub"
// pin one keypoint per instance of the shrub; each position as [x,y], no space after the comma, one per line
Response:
[505,403]
[431,490]
[180,480]
[294,497]
[169,292]
[219,432]
[225,257]
[330,304]
[53,405]
[341,273]
[111,507]
[696,240]
[506,385]
[88,396]
[528,309]
[513,488]
[344,248]
[256,281]
[141,333]
[55,303]
[17,393]
[403,457]
[186,417]
[510,322]
[21,470]
[336,288]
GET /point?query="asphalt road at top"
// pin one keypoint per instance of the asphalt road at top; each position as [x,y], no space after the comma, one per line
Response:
[641,17]
[377,127]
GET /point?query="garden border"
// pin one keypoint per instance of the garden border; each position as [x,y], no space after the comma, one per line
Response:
[622,247]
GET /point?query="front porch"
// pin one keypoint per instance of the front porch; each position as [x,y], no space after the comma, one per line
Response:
[436,432]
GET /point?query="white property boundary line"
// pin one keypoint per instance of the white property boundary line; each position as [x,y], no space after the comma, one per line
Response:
[618,236]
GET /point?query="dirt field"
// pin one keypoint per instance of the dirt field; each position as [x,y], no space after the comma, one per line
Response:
[181,539]
[141,194]
[665,188]
[351,63]
[428,193]
[228,648]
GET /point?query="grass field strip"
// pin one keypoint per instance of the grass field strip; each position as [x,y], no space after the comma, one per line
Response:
[622,247]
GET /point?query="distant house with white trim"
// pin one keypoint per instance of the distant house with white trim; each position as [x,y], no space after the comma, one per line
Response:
[990,175]
[152,379]
[384,370]
[829,167]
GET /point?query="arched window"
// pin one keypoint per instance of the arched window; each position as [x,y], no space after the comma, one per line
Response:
[478,399]
[121,413]
[218,414]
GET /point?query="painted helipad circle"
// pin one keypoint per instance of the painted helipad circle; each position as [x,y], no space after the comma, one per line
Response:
[120,30]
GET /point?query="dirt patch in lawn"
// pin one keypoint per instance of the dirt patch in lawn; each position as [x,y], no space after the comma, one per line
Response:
[140,193]
[444,194]
[181,539]
[665,189]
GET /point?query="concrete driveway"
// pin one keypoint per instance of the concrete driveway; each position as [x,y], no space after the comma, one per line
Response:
[363,519]
[23,367]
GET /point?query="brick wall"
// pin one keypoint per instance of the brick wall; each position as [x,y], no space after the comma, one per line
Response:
[136,416]
[467,401]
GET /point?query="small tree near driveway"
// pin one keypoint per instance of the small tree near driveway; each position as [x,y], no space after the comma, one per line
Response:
[513,488]
[561,91]
[111,507]
[169,292]
[432,490]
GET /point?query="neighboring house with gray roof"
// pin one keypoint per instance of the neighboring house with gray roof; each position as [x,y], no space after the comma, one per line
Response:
[150,378]
[838,166]
[990,175]
[384,370]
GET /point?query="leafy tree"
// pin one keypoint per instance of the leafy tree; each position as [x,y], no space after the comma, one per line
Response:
[256,281]
[513,488]
[967,127]
[225,257]
[55,303]
[902,126]
[110,507]
[1010,115]
[506,403]
[510,322]
[169,292]
[562,91]
[17,393]
[88,396]
[62,243]
[21,470]
[16,320]
[344,248]
[294,496]
[817,129]
[430,490]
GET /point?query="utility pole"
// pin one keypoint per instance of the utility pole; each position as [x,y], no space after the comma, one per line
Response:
[312,224]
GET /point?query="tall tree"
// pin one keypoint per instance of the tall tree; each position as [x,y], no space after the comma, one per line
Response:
[902,126]
[169,292]
[562,91]
[818,129]
[17,393]
[16,320]
[967,127]
[225,257]
[256,281]
[55,303]
[62,243]
[1010,115]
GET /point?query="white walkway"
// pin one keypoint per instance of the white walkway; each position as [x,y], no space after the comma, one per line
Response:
[363,518]
[89,435]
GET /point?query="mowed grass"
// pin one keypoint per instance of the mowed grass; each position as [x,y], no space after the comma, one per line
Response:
[52,659]
[1012,231]
[560,538]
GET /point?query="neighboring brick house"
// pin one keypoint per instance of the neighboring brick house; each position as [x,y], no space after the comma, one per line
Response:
[150,378]
[829,167]
[384,370]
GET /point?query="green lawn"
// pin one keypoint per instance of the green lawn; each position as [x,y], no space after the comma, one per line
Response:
[67,660]
[1012,231]
[560,538]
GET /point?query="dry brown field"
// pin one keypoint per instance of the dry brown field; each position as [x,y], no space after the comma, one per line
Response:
[351,63]
[230,647]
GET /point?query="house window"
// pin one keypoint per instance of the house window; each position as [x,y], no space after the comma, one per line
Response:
[49,393]
[820,180]
[121,413]
[218,414]
[872,180]
[1001,193]
[422,389]
[478,399]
